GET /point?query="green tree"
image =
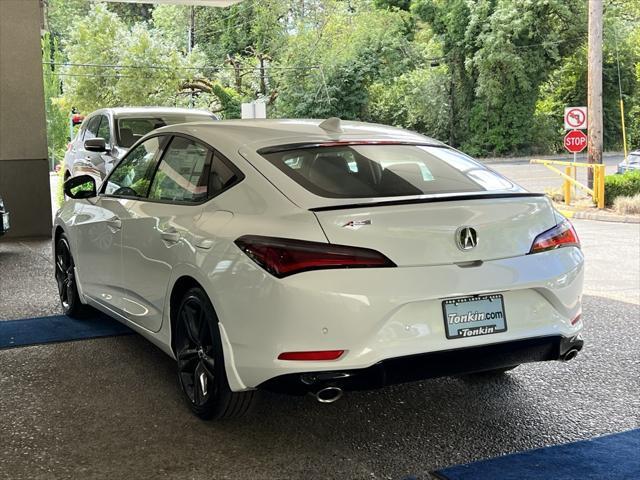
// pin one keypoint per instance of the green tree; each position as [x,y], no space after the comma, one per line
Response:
[327,71]
[499,53]
[56,116]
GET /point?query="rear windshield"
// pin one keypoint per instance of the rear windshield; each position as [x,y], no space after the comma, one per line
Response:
[366,171]
[131,129]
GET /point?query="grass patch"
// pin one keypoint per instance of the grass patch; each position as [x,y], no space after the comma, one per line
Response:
[627,205]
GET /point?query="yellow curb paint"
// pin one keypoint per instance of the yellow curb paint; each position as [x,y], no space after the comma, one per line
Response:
[567,213]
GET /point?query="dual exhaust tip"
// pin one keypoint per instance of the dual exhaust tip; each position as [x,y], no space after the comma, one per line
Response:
[570,355]
[328,394]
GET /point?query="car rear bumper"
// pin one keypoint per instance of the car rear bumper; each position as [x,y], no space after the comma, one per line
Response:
[430,365]
[379,314]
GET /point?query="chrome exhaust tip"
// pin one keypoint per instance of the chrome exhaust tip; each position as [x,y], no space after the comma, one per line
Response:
[570,355]
[328,394]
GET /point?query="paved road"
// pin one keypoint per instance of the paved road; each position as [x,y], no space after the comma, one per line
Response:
[110,408]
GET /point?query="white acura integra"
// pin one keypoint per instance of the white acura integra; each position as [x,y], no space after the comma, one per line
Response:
[306,256]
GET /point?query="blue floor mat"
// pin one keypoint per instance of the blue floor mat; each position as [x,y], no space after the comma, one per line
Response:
[57,328]
[614,456]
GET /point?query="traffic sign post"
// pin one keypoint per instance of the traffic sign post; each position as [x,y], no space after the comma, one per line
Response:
[575,141]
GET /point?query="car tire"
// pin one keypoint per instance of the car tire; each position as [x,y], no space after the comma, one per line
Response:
[200,361]
[66,280]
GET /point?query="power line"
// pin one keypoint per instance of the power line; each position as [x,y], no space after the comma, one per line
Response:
[161,67]
[87,75]
[105,65]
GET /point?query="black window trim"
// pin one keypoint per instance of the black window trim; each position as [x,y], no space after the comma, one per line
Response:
[158,159]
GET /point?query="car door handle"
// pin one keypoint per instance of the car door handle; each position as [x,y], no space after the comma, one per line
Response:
[170,235]
[114,224]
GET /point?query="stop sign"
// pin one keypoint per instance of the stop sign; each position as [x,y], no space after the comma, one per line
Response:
[575,141]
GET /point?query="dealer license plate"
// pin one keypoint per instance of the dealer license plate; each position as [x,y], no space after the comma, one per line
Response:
[472,316]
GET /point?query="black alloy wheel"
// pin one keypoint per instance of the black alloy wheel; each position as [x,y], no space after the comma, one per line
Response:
[200,360]
[66,280]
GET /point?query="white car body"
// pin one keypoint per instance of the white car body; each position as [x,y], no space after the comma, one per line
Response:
[375,315]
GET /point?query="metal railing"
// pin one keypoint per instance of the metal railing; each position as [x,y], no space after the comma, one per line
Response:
[569,176]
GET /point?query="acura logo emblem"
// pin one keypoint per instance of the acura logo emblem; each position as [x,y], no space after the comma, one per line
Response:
[466,238]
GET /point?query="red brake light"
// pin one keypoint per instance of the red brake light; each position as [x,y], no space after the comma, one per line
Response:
[321,355]
[562,235]
[283,256]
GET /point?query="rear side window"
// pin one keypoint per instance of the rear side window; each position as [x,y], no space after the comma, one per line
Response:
[369,171]
[132,129]
[183,172]
[132,176]
[221,177]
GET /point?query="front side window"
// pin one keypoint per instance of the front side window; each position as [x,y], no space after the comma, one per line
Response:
[384,170]
[104,131]
[182,173]
[92,128]
[132,176]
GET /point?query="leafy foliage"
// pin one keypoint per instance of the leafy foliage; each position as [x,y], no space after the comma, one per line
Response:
[625,185]
[57,119]
[489,76]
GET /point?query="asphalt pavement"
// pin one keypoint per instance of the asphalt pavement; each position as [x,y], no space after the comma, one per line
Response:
[110,408]
[538,178]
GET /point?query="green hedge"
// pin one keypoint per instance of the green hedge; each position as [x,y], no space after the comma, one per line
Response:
[625,185]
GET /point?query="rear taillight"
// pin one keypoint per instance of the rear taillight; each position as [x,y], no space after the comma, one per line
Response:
[69,146]
[283,256]
[562,235]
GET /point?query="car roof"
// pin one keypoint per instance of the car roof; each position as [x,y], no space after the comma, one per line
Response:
[147,111]
[261,133]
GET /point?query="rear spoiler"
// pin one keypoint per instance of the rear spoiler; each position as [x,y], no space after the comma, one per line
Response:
[411,201]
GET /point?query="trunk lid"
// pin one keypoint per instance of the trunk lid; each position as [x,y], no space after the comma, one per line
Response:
[415,234]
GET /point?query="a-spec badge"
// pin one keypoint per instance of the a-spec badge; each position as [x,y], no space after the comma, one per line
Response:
[466,238]
[356,224]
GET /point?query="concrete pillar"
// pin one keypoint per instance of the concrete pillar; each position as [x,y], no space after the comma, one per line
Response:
[24,170]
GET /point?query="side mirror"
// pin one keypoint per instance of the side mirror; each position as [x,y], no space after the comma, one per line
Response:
[82,186]
[95,145]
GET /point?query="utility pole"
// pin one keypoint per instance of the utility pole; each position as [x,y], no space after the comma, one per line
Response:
[191,40]
[594,87]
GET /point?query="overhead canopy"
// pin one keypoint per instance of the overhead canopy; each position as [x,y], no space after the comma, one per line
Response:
[208,3]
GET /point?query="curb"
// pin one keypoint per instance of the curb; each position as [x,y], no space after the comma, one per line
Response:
[601,217]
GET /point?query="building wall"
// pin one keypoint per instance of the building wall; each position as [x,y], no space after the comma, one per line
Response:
[24,170]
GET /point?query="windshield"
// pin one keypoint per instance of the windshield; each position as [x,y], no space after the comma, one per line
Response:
[131,129]
[383,170]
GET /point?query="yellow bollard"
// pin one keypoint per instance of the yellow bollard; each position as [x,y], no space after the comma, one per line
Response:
[567,186]
[601,186]
[594,196]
